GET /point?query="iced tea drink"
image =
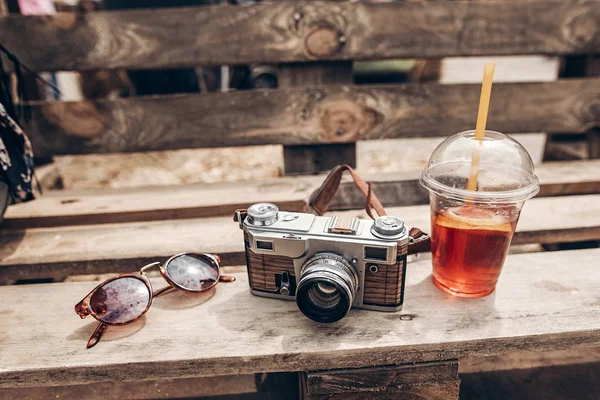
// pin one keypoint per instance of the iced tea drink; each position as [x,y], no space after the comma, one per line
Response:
[471,228]
[469,246]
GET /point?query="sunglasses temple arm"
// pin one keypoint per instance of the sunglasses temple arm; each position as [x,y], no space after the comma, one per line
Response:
[162,291]
[95,338]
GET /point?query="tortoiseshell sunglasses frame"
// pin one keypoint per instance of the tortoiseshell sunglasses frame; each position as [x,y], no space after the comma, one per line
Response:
[84,309]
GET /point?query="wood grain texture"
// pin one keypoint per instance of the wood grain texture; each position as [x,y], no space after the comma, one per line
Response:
[443,390]
[593,139]
[301,31]
[263,268]
[155,389]
[536,307]
[307,116]
[93,249]
[402,188]
[363,380]
[446,390]
[384,288]
[529,360]
[562,382]
[312,159]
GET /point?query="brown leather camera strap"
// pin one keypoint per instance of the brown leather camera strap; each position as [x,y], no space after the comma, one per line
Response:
[320,200]
[420,242]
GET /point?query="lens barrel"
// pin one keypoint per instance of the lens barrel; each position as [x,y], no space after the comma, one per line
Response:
[327,287]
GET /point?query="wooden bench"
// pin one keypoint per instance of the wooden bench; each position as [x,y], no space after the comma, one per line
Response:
[223,343]
[234,332]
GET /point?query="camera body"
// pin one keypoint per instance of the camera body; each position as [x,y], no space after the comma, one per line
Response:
[323,265]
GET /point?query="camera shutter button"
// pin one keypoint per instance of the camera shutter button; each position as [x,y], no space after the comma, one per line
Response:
[388,225]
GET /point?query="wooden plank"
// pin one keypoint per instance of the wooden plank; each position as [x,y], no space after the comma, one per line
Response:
[570,382]
[309,159]
[275,386]
[536,307]
[446,390]
[390,155]
[433,380]
[61,208]
[154,389]
[290,31]
[312,159]
[307,116]
[93,249]
[565,147]
[593,138]
[402,188]
[529,360]
[593,69]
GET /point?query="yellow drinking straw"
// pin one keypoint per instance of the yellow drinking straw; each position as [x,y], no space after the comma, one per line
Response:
[484,106]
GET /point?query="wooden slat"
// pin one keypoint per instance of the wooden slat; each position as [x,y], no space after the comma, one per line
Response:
[155,389]
[401,188]
[58,252]
[431,381]
[444,390]
[562,382]
[312,159]
[593,137]
[536,307]
[291,31]
[307,116]
[309,159]
[529,360]
[60,208]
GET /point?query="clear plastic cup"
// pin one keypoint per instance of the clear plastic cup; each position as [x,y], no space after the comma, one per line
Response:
[471,231]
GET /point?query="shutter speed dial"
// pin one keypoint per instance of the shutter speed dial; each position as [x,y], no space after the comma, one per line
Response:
[388,226]
[262,214]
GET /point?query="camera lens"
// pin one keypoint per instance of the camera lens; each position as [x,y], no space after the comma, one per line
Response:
[326,289]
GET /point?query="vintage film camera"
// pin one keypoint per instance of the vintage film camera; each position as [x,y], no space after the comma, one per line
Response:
[326,266]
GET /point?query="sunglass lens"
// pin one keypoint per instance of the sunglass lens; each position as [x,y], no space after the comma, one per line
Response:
[193,272]
[121,300]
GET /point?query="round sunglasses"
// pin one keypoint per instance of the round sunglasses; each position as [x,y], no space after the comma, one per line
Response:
[125,298]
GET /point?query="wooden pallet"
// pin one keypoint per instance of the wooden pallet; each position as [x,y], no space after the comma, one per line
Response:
[546,301]
[275,336]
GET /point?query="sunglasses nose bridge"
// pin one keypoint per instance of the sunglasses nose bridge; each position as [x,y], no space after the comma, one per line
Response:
[147,267]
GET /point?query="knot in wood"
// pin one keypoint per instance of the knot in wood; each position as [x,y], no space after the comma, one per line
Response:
[345,121]
[323,41]
[582,30]
[81,119]
[62,21]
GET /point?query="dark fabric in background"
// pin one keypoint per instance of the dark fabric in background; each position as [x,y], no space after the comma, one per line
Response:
[4,199]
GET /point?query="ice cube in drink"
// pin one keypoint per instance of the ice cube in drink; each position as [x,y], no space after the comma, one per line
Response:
[469,245]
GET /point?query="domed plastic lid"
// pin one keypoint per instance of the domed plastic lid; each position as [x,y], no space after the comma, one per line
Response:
[505,169]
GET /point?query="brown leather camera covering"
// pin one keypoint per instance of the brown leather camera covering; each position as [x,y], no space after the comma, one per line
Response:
[385,287]
[263,268]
